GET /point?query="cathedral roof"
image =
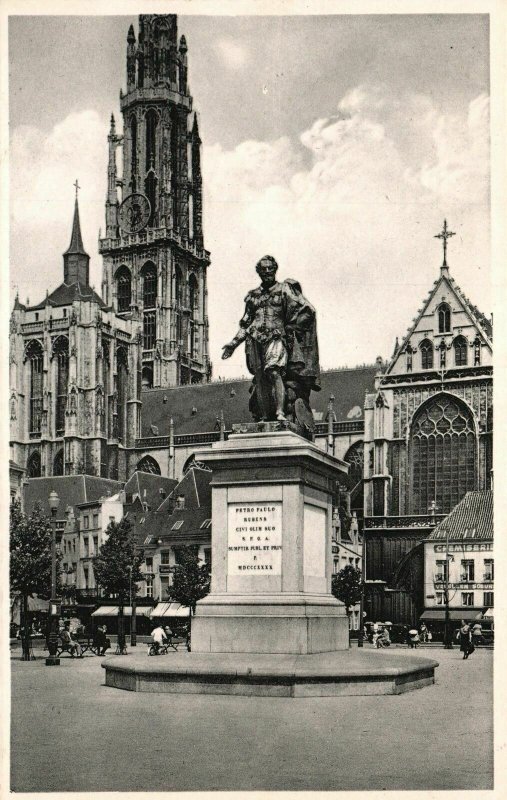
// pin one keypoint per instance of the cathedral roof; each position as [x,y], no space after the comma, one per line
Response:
[471,519]
[76,241]
[71,489]
[66,294]
[195,408]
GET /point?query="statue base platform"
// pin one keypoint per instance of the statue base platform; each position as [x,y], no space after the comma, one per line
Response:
[338,674]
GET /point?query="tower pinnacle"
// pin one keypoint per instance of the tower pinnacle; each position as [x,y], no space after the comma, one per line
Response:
[75,259]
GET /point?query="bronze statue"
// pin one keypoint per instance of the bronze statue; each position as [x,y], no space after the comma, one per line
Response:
[280,334]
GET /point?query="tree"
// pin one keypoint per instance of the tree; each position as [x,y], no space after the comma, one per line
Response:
[117,567]
[191,580]
[346,586]
[30,562]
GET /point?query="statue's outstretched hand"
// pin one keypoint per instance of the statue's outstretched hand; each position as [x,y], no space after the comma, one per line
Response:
[228,350]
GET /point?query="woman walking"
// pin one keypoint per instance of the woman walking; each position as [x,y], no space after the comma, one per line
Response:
[465,639]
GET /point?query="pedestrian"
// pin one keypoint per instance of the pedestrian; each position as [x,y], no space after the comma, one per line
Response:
[477,637]
[413,638]
[465,639]
[159,637]
[423,633]
[72,646]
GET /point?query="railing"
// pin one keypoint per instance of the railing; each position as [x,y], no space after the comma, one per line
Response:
[150,235]
[348,426]
[154,442]
[411,521]
[165,569]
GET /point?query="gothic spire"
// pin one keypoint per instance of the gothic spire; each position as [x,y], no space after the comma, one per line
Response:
[75,259]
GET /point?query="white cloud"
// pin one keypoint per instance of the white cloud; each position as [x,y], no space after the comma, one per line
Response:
[350,210]
[232,54]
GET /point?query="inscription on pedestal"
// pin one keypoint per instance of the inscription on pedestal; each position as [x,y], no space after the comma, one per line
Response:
[254,539]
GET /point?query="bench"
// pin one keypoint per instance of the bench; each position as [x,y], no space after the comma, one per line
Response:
[173,643]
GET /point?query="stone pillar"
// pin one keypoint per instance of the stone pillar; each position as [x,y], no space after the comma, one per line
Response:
[271,549]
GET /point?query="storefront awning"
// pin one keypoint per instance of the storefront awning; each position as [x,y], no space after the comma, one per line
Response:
[489,614]
[455,614]
[112,611]
[170,610]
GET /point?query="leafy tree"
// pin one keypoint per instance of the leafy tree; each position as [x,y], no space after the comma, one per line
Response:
[117,567]
[191,580]
[30,562]
[346,586]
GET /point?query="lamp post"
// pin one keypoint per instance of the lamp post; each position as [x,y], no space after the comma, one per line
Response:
[447,636]
[52,660]
[133,626]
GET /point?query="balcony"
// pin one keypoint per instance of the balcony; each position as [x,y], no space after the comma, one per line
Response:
[410,521]
[165,569]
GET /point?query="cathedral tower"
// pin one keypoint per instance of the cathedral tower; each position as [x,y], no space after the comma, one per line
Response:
[154,261]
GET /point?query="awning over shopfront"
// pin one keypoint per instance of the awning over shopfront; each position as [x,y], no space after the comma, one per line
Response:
[455,614]
[112,611]
[170,610]
[489,614]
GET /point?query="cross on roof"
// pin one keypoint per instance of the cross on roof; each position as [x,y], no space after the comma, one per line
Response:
[76,184]
[444,235]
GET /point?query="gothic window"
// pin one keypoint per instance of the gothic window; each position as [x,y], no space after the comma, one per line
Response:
[133,154]
[148,464]
[58,463]
[122,390]
[123,289]
[460,351]
[444,318]
[477,352]
[149,329]
[149,276]
[147,378]
[34,354]
[426,348]
[61,353]
[355,457]
[443,454]
[151,138]
[193,299]
[150,188]
[33,467]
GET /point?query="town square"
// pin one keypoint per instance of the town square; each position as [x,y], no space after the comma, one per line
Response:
[251,403]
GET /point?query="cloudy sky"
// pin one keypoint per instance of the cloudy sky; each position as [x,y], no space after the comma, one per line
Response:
[338,144]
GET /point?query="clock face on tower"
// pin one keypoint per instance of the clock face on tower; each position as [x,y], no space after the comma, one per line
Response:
[134,213]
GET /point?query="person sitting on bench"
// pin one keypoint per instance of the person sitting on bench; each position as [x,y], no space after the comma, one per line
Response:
[159,637]
[68,643]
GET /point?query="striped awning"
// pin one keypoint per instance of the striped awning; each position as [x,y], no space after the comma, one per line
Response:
[112,611]
[170,610]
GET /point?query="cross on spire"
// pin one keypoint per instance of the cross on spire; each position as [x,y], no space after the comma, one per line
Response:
[444,235]
[76,184]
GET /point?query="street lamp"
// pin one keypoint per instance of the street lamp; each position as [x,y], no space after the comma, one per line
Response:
[53,660]
[133,626]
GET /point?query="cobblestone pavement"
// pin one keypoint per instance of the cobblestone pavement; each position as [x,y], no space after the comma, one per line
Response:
[69,732]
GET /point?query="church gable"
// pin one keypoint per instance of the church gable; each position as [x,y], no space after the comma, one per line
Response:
[449,332]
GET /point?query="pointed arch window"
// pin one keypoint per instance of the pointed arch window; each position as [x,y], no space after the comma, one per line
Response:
[149,277]
[34,467]
[151,138]
[149,329]
[58,463]
[460,345]
[355,457]
[133,154]
[150,188]
[444,318]
[426,348]
[442,453]
[123,289]
[61,354]
[35,356]
[148,464]
[122,391]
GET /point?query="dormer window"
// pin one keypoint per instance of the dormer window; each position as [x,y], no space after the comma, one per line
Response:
[180,502]
[460,351]
[444,318]
[426,348]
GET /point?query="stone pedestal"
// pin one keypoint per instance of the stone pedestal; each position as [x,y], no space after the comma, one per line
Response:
[271,549]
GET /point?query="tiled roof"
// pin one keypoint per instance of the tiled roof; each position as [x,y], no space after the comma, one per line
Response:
[195,486]
[71,489]
[231,397]
[66,293]
[471,519]
[147,486]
